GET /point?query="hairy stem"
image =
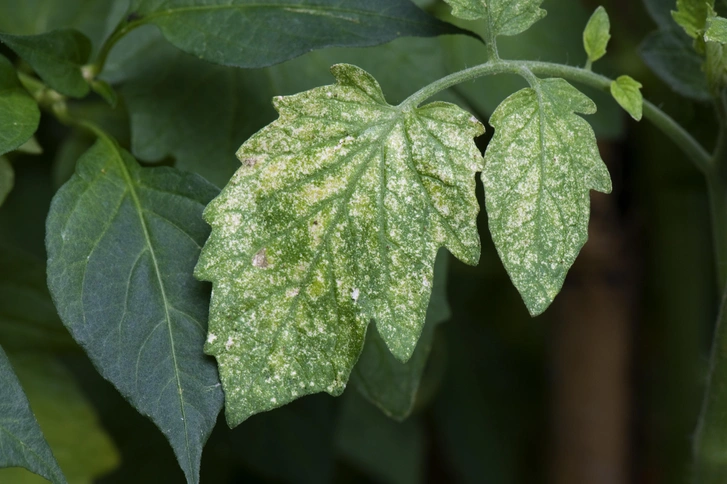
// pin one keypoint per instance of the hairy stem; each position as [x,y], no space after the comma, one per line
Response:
[696,153]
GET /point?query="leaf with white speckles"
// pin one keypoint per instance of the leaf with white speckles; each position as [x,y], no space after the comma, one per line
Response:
[540,166]
[504,17]
[333,220]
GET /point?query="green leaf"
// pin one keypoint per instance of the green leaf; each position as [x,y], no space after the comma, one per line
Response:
[21,439]
[387,382]
[57,57]
[122,242]
[248,33]
[670,55]
[692,15]
[103,89]
[29,17]
[19,113]
[597,34]
[389,451]
[67,419]
[716,30]
[7,178]
[566,17]
[31,147]
[503,17]
[539,168]
[159,84]
[341,176]
[627,92]
[28,319]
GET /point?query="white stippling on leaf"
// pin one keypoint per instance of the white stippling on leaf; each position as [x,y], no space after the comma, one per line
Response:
[504,17]
[540,166]
[345,209]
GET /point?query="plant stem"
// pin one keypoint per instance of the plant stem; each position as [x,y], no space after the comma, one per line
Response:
[103,54]
[696,153]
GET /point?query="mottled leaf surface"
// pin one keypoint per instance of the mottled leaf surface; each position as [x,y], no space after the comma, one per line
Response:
[334,219]
[57,57]
[122,242]
[539,168]
[250,33]
[69,422]
[387,382]
[503,17]
[21,441]
[716,30]
[627,93]
[669,53]
[597,34]
[19,113]
[692,15]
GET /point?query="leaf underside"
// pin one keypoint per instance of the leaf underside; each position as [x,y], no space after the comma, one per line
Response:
[250,33]
[334,219]
[540,166]
[387,382]
[122,242]
[21,441]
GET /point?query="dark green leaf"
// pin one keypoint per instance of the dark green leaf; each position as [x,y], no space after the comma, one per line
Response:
[391,452]
[387,382]
[670,55]
[540,166]
[68,421]
[122,242]
[103,89]
[57,57]
[21,441]
[196,112]
[660,11]
[28,319]
[341,175]
[19,113]
[248,33]
[96,19]
[7,178]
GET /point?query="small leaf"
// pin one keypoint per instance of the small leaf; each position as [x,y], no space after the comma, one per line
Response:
[717,30]
[387,382]
[28,319]
[122,242]
[597,34]
[627,93]
[7,178]
[69,422]
[94,19]
[504,17]
[670,55]
[57,57]
[247,33]
[19,113]
[539,168]
[341,176]
[21,439]
[692,15]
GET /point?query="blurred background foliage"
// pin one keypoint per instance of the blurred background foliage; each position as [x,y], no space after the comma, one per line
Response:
[603,388]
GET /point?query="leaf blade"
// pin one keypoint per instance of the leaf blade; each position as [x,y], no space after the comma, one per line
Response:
[597,34]
[21,439]
[539,169]
[246,33]
[504,17]
[145,303]
[56,56]
[19,113]
[627,92]
[306,186]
